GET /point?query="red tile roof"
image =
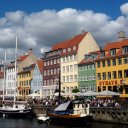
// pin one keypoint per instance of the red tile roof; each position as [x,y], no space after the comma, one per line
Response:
[117,44]
[71,42]
[22,57]
[90,60]
[40,65]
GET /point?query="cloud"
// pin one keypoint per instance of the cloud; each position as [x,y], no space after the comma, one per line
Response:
[124,8]
[40,30]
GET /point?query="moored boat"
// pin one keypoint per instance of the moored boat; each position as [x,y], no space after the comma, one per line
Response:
[70,113]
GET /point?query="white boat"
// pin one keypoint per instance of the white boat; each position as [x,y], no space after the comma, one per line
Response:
[43,118]
[16,109]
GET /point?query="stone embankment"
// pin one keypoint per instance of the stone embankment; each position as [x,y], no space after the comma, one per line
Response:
[100,114]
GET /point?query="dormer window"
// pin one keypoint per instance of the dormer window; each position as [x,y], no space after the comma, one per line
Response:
[93,56]
[74,48]
[64,50]
[69,49]
[103,54]
[125,49]
[87,57]
[113,52]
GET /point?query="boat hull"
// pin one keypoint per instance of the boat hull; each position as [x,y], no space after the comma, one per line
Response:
[16,113]
[64,119]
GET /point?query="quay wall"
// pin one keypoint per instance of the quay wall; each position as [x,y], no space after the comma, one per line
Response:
[99,114]
[109,115]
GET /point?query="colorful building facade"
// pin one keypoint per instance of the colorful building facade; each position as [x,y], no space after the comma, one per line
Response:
[37,80]
[73,53]
[112,68]
[87,72]
[24,81]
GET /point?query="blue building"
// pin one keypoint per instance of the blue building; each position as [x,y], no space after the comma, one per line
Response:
[37,81]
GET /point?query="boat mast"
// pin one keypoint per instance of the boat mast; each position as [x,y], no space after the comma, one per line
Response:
[4,80]
[15,88]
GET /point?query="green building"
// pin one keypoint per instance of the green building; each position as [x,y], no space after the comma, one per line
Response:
[87,72]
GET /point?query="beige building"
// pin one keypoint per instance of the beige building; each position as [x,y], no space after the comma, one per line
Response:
[26,60]
[73,51]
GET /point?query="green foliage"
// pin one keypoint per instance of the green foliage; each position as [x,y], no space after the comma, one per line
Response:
[75,90]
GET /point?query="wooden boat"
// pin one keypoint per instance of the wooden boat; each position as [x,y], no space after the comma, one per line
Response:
[70,113]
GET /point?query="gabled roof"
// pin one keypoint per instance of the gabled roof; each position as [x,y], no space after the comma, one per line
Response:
[71,42]
[90,60]
[116,44]
[40,65]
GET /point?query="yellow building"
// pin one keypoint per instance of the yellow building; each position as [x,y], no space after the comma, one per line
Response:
[24,81]
[112,68]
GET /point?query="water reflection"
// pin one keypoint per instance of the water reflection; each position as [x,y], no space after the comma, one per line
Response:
[32,123]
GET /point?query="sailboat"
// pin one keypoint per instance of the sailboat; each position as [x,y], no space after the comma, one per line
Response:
[17,109]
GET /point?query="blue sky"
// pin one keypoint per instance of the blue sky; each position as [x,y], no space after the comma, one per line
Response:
[110,7]
[42,23]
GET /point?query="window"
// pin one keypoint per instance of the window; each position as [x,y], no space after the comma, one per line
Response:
[63,68]
[120,74]
[98,64]
[114,74]
[71,78]
[113,52]
[99,76]
[125,60]
[54,61]
[58,60]
[64,50]
[71,58]
[108,62]
[44,73]
[125,49]
[75,67]
[63,59]
[69,49]
[114,62]
[75,77]
[67,68]
[47,62]
[67,59]
[119,61]
[104,75]
[63,78]
[109,75]
[125,73]
[67,78]
[55,71]
[103,63]
[74,48]
[51,71]
[71,68]
[44,63]
[103,54]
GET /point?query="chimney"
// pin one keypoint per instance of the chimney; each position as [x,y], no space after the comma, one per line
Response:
[30,50]
[121,35]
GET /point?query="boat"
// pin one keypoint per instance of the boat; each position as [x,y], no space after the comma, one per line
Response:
[71,113]
[15,109]
[43,118]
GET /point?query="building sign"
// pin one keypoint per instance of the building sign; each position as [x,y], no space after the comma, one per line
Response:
[108,82]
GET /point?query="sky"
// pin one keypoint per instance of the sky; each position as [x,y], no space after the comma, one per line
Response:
[40,24]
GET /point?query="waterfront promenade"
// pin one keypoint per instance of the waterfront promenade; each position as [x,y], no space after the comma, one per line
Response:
[102,110]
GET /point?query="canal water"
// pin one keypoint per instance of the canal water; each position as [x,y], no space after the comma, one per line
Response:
[32,123]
